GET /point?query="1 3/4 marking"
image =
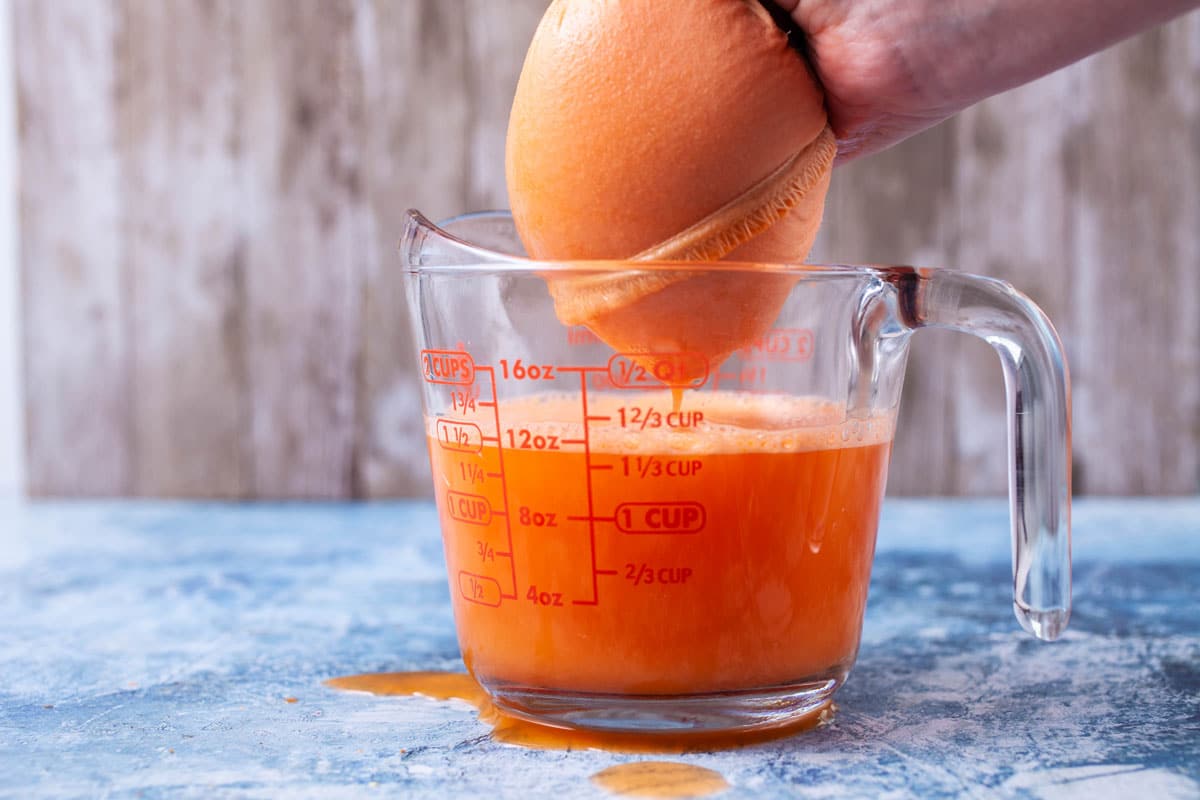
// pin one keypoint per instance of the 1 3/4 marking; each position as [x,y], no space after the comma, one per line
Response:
[462,400]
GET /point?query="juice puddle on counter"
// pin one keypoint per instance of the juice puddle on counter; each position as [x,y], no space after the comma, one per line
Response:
[511,730]
[638,546]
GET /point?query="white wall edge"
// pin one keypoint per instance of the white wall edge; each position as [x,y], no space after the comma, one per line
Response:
[11,419]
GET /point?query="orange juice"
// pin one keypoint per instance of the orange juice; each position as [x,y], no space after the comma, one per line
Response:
[632,546]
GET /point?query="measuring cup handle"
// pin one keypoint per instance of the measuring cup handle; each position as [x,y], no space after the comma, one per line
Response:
[1039,427]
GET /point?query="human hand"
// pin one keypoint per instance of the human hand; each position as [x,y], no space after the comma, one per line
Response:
[892,68]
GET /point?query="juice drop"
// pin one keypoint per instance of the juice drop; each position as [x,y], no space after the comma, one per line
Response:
[660,779]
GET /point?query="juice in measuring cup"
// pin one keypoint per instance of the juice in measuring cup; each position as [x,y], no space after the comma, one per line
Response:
[643,550]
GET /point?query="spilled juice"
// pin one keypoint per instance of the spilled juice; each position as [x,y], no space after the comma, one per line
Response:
[632,545]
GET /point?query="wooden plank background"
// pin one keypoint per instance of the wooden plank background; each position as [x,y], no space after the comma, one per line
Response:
[211,192]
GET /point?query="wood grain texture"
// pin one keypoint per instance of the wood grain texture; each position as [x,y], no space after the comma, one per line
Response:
[212,193]
[184,248]
[78,408]
[892,209]
[1136,246]
[1012,223]
[417,146]
[303,112]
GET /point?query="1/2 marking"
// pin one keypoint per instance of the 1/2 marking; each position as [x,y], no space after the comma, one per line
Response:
[479,589]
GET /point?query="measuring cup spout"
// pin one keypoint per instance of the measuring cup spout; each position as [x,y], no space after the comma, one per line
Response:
[486,237]
[1039,426]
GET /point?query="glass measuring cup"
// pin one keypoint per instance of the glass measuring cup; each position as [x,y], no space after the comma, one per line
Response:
[653,541]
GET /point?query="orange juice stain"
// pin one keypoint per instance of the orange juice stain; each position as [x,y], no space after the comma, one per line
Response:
[511,730]
[660,779]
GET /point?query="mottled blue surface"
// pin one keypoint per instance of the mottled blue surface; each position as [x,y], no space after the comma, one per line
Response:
[146,651]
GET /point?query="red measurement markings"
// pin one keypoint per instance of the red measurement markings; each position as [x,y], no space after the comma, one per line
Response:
[461,437]
[540,598]
[645,575]
[448,366]
[601,382]
[745,378]
[473,509]
[780,344]
[464,399]
[495,406]
[479,589]
[660,467]
[654,370]
[643,417]
[587,458]
[579,335]
[471,473]
[525,439]
[672,517]
[485,551]
[521,371]
[537,519]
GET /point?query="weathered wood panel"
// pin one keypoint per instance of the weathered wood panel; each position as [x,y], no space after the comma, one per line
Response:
[1012,222]
[76,340]
[213,191]
[302,195]
[1136,249]
[183,248]
[418,149]
[892,209]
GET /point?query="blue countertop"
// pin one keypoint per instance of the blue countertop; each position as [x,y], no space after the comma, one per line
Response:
[178,650]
